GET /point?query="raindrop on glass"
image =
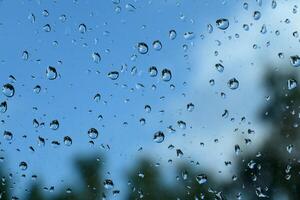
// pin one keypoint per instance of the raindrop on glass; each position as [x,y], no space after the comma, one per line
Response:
[8,90]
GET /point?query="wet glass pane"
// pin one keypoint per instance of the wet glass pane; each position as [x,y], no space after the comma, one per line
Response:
[153,100]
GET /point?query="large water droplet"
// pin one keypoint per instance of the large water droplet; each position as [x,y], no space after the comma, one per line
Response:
[8,90]
[93,133]
[159,137]
[222,23]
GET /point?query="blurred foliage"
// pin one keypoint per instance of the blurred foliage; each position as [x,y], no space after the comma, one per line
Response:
[271,172]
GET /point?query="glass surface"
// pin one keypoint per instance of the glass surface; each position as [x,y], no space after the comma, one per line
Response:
[153,100]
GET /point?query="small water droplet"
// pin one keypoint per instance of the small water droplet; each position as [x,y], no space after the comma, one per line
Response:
[7,135]
[153,71]
[93,133]
[233,83]
[190,107]
[222,23]
[295,60]
[82,28]
[157,45]
[108,184]
[51,73]
[8,90]
[158,137]
[54,125]
[291,83]
[256,15]
[67,141]
[172,34]
[166,75]
[23,165]
[201,179]
[47,28]
[96,57]
[37,89]
[113,75]
[142,48]
[3,107]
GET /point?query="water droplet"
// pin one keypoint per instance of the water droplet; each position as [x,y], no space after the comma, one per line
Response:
[97,97]
[222,23]
[8,90]
[67,141]
[23,165]
[189,35]
[246,27]
[159,137]
[7,135]
[166,75]
[25,55]
[147,108]
[210,28]
[93,133]
[82,28]
[190,107]
[245,6]
[157,45]
[45,13]
[153,71]
[35,123]
[291,83]
[274,4]
[54,125]
[295,60]
[3,107]
[263,29]
[233,83]
[256,15]
[47,28]
[51,73]
[96,57]
[108,184]
[63,18]
[143,121]
[181,124]
[172,34]
[113,75]
[37,89]
[201,178]
[219,67]
[142,48]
